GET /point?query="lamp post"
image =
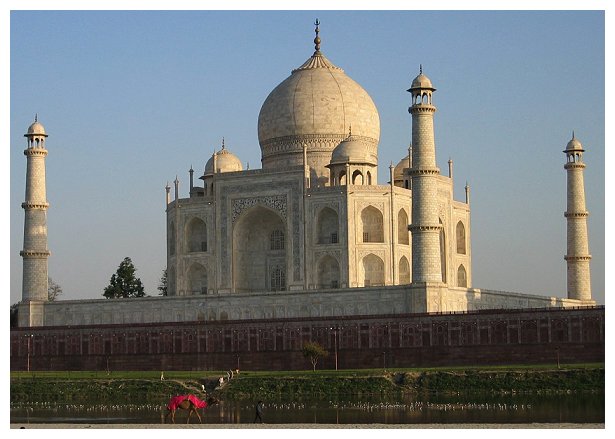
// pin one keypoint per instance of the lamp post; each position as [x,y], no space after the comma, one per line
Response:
[335,343]
[29,341]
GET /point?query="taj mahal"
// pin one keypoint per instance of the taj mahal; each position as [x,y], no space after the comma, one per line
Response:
[311,233]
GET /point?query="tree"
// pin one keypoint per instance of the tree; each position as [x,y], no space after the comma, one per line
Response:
[314,352]
[53,290]
[14,317]
[163,285]
[123,283]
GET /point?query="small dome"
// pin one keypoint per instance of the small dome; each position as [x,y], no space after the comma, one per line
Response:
[421,82]
[398,172]
[226,161]
[353,150]
[36,129]
[574,145]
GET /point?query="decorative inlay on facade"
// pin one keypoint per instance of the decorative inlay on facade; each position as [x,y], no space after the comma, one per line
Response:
[577,258]
[31,205]
[275,202]
[34,254]
[35,152]
[576,214]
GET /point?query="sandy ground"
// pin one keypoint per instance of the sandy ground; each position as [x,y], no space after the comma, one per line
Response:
[309,426]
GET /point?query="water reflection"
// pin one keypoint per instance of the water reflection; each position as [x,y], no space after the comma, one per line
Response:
[499,409]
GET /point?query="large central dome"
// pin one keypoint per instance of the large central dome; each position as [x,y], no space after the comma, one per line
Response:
[315,106]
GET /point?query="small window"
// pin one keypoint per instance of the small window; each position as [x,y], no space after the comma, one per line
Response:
[334,284]
[204,246]
[365,236]
[334,238]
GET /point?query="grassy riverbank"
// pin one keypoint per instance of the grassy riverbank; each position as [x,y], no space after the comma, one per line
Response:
[94,387]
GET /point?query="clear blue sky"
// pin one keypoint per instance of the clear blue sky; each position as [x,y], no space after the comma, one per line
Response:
[132,99]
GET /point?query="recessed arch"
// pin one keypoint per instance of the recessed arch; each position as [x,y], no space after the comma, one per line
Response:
[357,177]
[403,235]
[196,235]
[462,277]
[327,226]
[372,229]
[460,234]
[442,251]
[404,271]
[257,264]
[328,272]
[171,237]
[197,280]
[373,270]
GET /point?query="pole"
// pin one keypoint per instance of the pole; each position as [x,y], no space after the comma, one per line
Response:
[335,344]
[29,338]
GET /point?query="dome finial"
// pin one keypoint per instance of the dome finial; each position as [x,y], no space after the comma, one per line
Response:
[223,143]
[573,134]
[317,39]
[350,130]
[420,69]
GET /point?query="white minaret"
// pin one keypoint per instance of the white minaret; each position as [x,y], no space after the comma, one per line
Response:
[577,255]
[35,252]
[425,226]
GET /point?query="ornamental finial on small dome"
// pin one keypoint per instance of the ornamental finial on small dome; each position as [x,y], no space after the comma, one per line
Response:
[420,69]
[35,117]
[317,39]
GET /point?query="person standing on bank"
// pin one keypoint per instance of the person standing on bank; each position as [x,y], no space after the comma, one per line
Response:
[259,412]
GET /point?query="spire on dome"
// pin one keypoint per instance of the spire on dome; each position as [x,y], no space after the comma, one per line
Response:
[317,38]
[420,69]
[35,117]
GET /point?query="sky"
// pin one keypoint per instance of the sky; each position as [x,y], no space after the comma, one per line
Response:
[130,99]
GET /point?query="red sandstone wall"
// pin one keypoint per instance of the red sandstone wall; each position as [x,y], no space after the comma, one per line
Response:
[475,338]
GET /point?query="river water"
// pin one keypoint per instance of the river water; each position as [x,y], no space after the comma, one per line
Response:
[455,409]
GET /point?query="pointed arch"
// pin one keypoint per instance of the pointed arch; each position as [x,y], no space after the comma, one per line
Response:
[460,234]
[327,226]
[442,251]
[372,225]
[404,271]
[373,270]
[357,177]
[462,277]
[369,178]
[342,180]
[403,235]
[328,272]
[197,280]
[171,282]
[259,264]
[171,235]
[196,235]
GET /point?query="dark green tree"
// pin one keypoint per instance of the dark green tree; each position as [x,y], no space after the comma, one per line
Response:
[14,318]
[163,285]
[123,283]
[314,351]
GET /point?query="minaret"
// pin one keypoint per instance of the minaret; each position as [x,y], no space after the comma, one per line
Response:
[425,226]
[577,255]
[35,252]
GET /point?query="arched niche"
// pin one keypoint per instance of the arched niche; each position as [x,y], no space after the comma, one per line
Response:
[259,264]
[197,280]
[373,270]
[327,226]
[372,229]
[196,235]
[328,272]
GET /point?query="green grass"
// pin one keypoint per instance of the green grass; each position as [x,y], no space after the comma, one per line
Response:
[146,386]
[199,374]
